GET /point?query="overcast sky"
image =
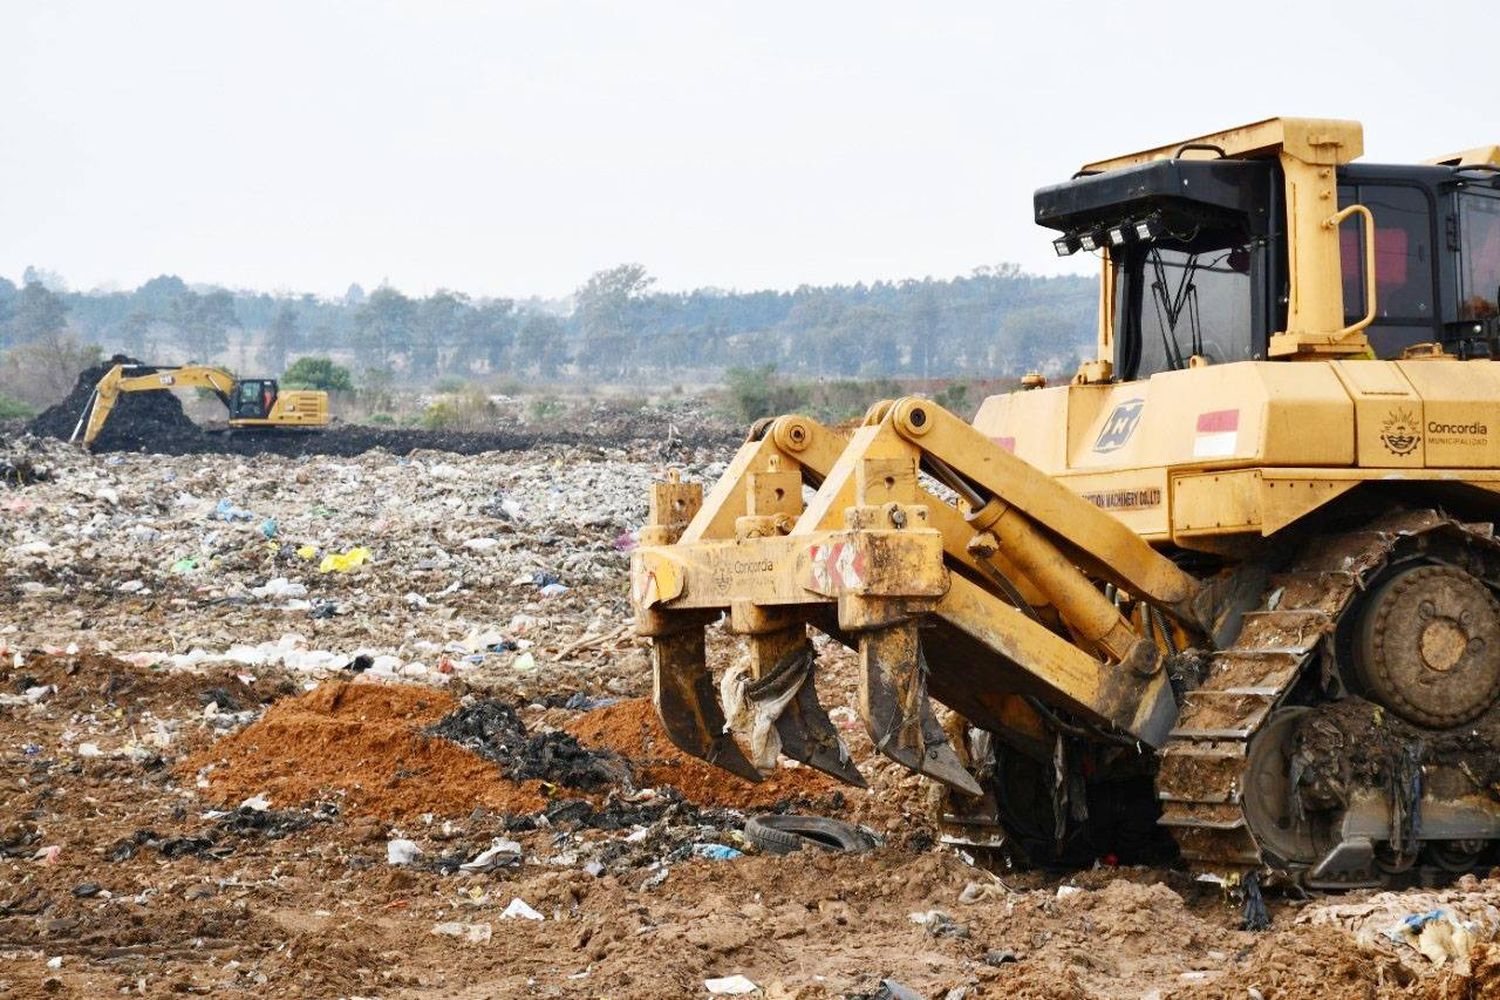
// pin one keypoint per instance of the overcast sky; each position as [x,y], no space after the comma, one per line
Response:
[513,148]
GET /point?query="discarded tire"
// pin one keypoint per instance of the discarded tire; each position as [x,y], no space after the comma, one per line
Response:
[785,834]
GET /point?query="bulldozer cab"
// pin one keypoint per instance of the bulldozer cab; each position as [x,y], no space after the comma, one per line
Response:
[253,399]
[1197,251]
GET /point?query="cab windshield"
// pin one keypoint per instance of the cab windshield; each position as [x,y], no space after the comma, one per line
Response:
[1177,298]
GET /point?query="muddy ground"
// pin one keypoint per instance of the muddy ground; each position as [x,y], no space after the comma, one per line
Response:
[211,804]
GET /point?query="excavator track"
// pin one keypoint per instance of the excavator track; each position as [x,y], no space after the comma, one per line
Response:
[1205,766]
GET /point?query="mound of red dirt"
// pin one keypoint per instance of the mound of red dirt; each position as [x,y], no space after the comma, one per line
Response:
[631,729]
[363,746]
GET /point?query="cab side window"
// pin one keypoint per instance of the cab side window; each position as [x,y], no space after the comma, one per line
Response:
[1479,256]
[1405,286]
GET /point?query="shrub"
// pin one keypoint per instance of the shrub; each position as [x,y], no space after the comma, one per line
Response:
[759,392]
[384,419]
[465,411]
[545,408]
[317,373]
[954,397]
[13,409]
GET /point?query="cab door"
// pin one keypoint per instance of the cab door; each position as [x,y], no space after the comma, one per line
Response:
[1405,266]
[253,399]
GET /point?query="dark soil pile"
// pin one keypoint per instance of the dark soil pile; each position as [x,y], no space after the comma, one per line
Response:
[631,729]
[364,746]
[492,729]
[140,420]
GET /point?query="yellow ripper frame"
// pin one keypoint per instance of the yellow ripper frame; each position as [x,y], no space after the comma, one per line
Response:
[1006,584]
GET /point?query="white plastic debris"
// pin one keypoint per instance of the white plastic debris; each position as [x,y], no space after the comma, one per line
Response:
[730,986]
[279,587]
[401,852]
[256,803]
[501,852]
[472,933]
[519,908]
[1064,891]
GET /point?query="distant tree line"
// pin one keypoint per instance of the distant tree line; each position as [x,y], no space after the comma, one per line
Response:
[996,321]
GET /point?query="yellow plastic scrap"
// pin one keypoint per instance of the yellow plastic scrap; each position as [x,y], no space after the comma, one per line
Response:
[307,553]
[343,562]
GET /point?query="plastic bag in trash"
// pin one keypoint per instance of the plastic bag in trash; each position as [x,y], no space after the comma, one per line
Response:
[226,510]
[401,852]
[519,908]
[716,852]
[730,986]
[472,933]
[343,562]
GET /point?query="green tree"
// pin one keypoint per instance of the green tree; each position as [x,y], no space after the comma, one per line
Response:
[202,323]
[135,333]
[156,296]
[489,333]
[281,338]
[383,325]
[375,388]
[759,392]
[39,315]
[604,313]
[440,321]
[540,345]
[318,373]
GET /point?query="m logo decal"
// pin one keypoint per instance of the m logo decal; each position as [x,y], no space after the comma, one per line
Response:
[1119,426]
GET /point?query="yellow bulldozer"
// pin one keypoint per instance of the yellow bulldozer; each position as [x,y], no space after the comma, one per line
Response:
[253,403]
[1229,594]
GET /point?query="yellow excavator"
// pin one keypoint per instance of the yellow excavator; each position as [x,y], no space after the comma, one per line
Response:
[253,403]
[1228,595]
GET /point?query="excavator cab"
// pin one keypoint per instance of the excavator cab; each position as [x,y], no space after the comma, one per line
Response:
[253,399]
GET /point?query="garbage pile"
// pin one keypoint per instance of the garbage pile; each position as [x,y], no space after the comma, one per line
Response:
[18,468]
[491,569]
[492,729]
[377,726]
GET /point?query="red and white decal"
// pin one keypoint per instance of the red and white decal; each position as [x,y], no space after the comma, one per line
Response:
[644,586]
[836,567]
[1218,434]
